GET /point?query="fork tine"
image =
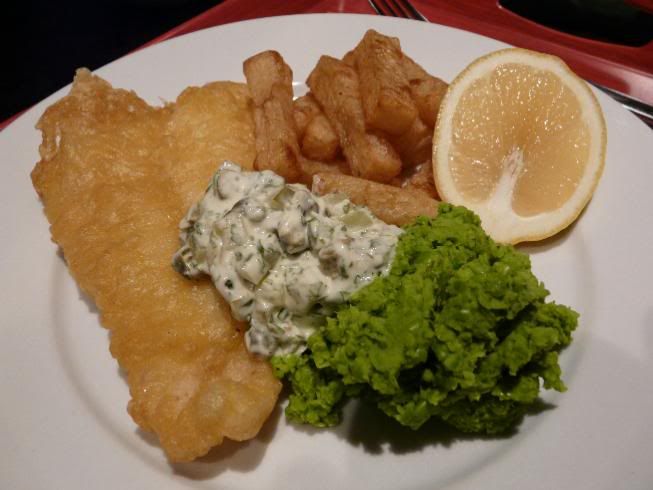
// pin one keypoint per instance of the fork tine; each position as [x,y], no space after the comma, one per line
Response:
[375,7]
[394,11]
[382,7]
[400,7]
[414,13]
[397,8]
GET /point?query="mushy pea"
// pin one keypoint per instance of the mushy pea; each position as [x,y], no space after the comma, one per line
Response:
[459,330]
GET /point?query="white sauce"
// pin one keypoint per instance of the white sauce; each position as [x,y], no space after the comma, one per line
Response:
[281,256]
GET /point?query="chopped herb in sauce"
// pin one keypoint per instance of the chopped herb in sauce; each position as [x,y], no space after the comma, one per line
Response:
[282,257]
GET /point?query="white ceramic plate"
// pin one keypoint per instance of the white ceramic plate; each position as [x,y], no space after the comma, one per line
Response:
[63,422]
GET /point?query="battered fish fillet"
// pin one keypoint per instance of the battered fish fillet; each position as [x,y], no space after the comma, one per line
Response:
[115,177]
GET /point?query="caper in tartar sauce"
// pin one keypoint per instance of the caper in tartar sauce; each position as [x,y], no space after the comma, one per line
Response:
[281,256]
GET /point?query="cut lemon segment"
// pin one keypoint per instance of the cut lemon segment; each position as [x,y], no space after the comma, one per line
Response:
[520,140]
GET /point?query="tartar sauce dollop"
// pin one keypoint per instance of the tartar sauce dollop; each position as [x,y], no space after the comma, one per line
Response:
[281,256]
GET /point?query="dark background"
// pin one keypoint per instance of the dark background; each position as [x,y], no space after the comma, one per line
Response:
[45,41]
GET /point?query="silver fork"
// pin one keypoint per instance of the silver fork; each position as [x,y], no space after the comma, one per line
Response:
[406,10]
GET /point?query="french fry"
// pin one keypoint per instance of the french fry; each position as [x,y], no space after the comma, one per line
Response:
[304,109]
[422,180]
[415,145]
[427,91]
[385,90]
[269,80]
[391,204]
[335,86]
[320,141]
[311,168]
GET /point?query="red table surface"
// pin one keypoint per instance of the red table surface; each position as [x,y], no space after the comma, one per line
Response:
[623,68]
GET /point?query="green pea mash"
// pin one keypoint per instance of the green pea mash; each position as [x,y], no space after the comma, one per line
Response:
[459,330]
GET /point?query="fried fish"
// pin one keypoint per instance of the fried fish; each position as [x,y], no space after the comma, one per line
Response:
[116,176]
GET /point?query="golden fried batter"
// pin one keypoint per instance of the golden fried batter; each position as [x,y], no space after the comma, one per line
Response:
[115,177]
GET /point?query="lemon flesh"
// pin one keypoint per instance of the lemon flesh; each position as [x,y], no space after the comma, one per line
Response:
[519,137]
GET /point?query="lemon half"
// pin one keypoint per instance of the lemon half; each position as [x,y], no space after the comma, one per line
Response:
[521,141]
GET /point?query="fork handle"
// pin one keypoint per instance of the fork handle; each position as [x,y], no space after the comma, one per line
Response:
[636,106]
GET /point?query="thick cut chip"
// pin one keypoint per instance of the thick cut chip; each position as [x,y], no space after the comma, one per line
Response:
[335,86]
[391,204]
[422,179]
[277,144]
[385,90]
[320,141]
[313,167]
[269,80]
[115,177]
[304,109]
[427,91]
[415,145]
